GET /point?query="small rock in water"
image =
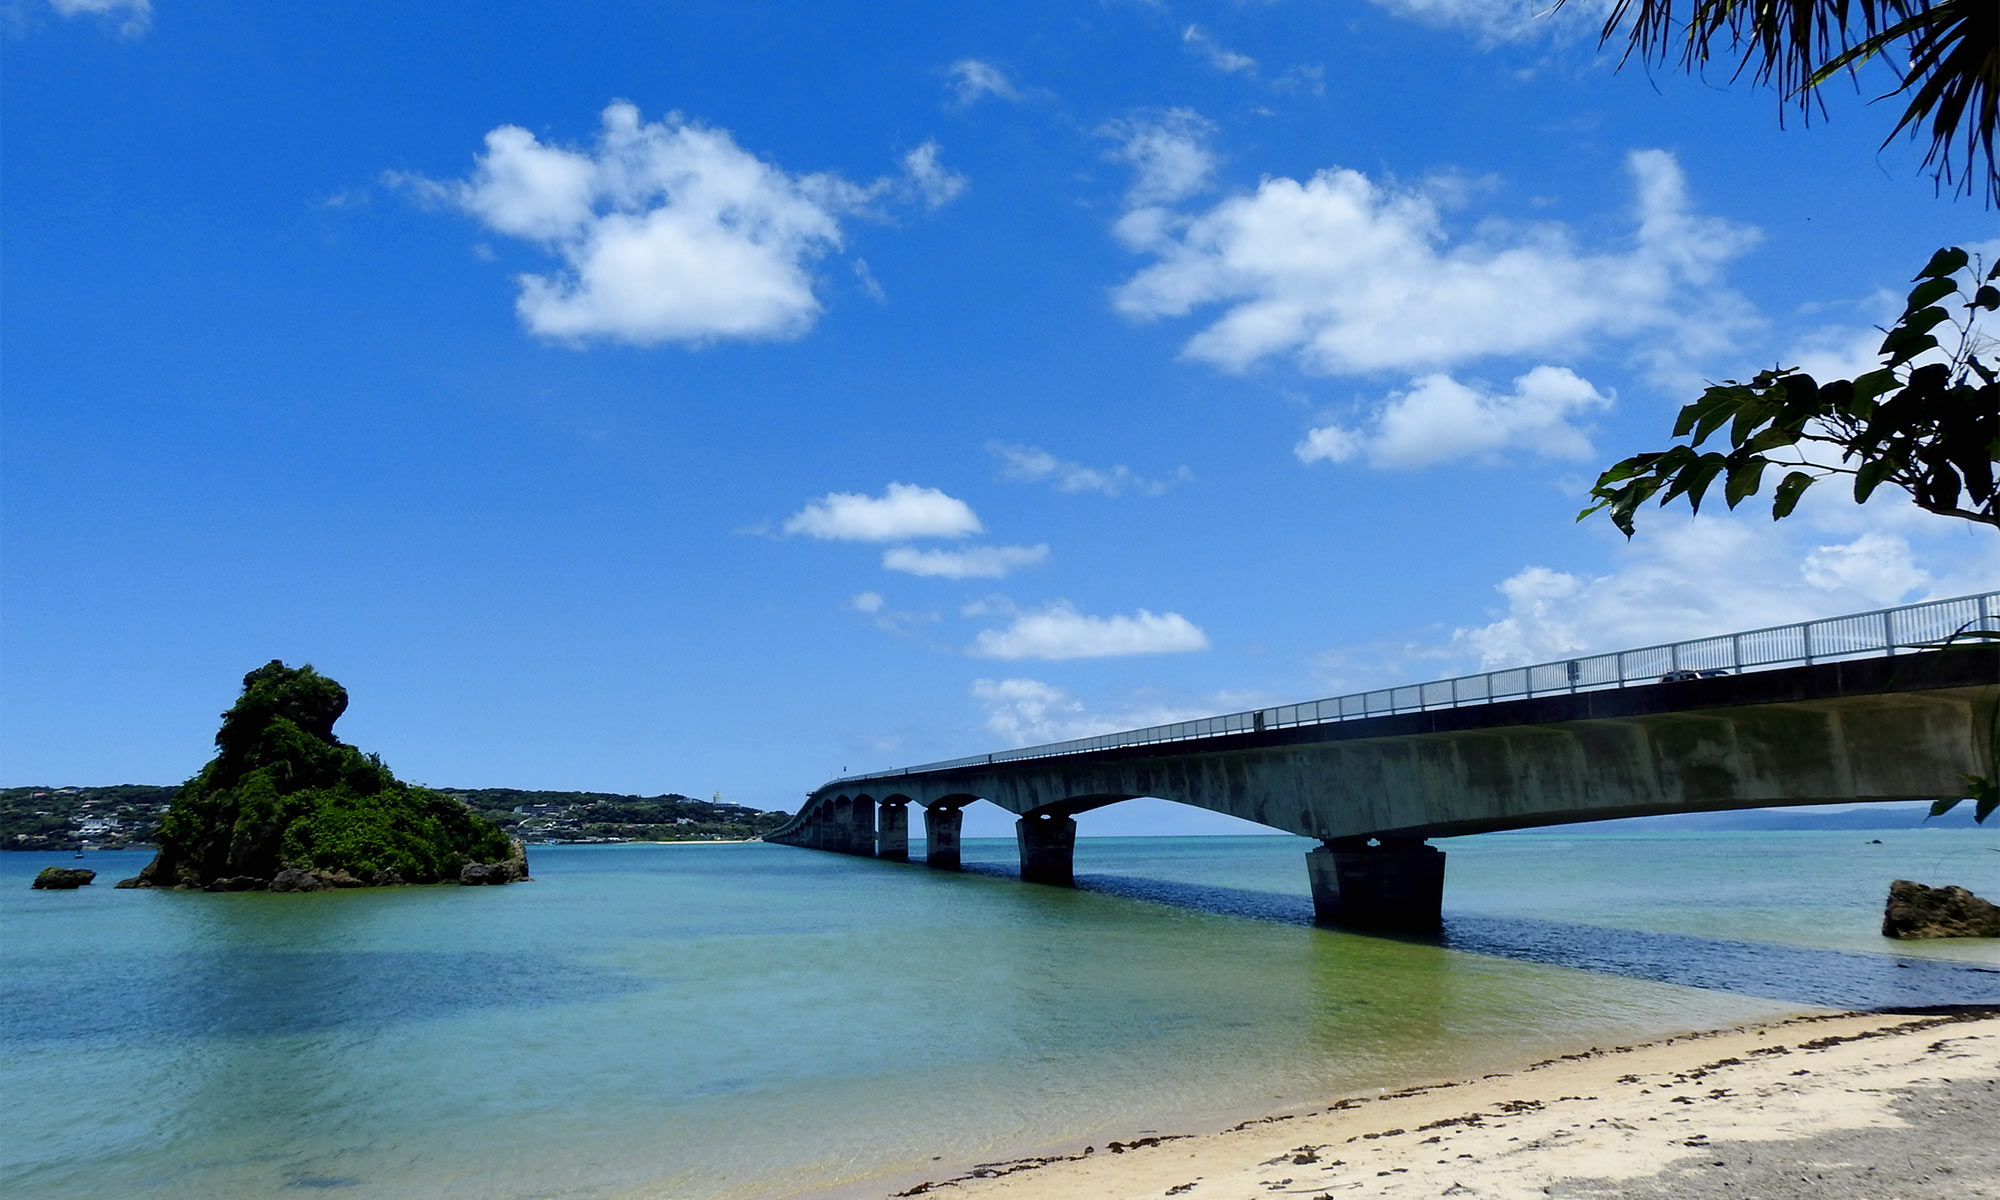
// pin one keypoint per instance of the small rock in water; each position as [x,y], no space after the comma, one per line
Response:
[228,883]
[62,879]
[293,879]
[1916,911]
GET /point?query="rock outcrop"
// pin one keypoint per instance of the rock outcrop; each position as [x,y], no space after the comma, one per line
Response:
[286,806]
[1916,911]
[513,870]
[62,879]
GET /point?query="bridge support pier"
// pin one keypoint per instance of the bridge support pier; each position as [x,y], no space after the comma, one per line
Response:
[859,836]
[1048,848]
[941,826]
[892,833]
[1396,887]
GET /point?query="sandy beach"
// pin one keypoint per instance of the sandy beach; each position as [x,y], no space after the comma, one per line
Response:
[1862,1105]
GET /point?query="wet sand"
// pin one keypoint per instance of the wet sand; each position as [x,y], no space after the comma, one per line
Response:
[1860,1105]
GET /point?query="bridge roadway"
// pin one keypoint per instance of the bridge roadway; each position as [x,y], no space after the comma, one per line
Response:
[1374,790]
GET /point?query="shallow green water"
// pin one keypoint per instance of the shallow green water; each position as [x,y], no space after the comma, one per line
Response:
[709,1021]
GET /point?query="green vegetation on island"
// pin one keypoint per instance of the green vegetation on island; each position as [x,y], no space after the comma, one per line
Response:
[286,805]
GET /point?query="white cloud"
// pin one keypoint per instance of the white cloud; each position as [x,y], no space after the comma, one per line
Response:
[971,80]
[870,286]
[1351,276]
[1503,20]
[1217,55]
[936,185]
[668,231]
[1307,80]
[1025,712]
[899,622]
[138,14]
[1032,464]
[1059,631]
[902,511]
[1439,419]
[974,562]
[1688,578]
[1880,566]
[1168,153]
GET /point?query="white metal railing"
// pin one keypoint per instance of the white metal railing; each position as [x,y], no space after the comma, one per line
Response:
[1861,635]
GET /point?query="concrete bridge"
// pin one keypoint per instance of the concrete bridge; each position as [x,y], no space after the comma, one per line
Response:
[1749,720]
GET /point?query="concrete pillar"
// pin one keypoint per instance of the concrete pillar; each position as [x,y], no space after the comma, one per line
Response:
[815,830]
[941,826]
[839,824]
[892,833]
[1397,887]
[861,827]
[1048,848]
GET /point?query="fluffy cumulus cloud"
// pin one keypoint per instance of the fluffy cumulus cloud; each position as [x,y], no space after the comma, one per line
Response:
[973,80]
[902,511]
[1032,464]
[1026,712]
[1060,632]
[1169,155]
[1351,276]
[668,231]
[1686,579]
[132,16]
[973,562]
[1438,419]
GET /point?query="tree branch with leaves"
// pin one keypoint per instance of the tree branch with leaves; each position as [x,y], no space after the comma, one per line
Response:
[1922,422]
[1946,53]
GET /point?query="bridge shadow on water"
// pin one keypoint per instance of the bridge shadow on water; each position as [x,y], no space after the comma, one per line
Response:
[1792,974]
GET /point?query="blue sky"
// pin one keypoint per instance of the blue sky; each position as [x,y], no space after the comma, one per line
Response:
[711,398]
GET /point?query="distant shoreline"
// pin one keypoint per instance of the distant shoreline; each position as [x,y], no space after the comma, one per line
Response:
[651,842]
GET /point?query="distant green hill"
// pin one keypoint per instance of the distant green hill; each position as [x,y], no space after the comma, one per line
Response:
[64,818]
[539,816]
[128,814]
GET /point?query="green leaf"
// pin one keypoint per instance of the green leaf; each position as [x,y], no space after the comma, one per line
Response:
[1929,292]
[1744,478]
[1870,476]
[1941,807]
[1786,498]
[1987,297]
[1715,407]
[1774,437]
[1924,319]
[1902,345]
[1693,478]
[1754,414]
[1949,261]
[1869,386]
[1638,464]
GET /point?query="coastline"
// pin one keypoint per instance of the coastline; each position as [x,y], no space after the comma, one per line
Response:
[1822,1104]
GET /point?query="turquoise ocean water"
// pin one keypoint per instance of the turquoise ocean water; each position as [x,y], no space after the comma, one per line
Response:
[762,1021]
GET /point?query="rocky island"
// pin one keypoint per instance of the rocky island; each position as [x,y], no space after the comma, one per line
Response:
[286,806]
